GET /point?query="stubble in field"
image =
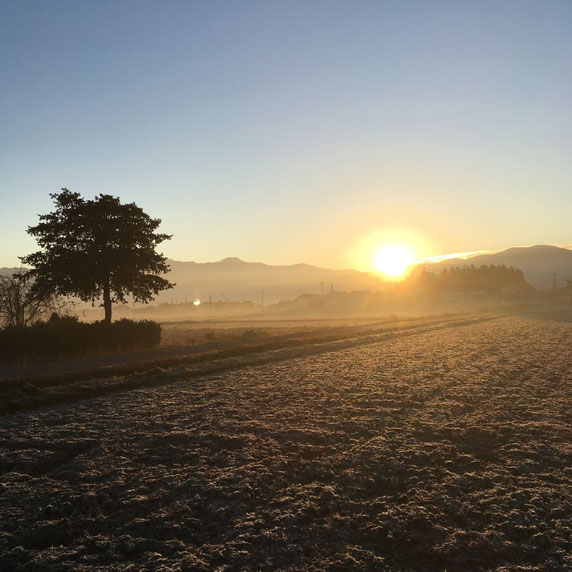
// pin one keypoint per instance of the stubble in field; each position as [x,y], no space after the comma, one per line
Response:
[443,450]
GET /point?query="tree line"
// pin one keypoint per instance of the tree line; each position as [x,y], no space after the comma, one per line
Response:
[486,279]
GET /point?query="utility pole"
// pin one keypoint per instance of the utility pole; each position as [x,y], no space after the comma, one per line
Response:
[262,297]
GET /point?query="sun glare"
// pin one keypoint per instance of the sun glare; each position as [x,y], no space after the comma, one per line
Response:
[390,251]
[393,260]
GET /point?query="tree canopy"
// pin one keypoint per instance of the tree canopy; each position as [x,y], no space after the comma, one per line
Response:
[97,249]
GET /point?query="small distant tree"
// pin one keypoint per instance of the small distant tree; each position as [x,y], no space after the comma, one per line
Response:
[97,249]
[20,306]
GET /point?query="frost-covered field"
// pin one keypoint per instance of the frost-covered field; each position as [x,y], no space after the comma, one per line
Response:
[448,449]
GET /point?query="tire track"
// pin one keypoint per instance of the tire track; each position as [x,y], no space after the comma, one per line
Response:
[26,395]
[121,364]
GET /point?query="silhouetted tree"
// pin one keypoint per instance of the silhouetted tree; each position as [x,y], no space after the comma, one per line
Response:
[97,249]
[20,306]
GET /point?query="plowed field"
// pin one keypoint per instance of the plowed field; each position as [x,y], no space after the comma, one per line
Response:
[442,449]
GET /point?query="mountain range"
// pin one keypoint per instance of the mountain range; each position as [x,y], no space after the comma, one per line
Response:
[232,279]
[235,280]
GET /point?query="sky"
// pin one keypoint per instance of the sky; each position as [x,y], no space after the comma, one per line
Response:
[300,131]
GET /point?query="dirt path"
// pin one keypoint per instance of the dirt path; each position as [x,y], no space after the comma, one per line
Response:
[447,449]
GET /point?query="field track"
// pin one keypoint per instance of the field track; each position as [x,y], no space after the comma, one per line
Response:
[165,356]
[57,382]
[443,448]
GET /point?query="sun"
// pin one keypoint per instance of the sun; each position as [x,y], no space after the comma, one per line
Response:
[392,252]
[393,260]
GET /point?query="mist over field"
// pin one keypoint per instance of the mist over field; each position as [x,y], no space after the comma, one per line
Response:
[233,287]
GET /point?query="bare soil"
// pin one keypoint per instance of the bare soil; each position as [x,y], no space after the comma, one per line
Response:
[437,448]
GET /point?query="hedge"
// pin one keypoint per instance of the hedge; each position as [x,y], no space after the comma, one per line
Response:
[64,337]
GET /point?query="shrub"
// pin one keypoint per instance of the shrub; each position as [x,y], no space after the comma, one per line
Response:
[62,337]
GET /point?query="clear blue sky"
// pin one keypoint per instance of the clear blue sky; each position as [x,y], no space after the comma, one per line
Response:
[283,132]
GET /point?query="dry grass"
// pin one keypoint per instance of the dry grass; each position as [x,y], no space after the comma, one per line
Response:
[186,333]
[443,449]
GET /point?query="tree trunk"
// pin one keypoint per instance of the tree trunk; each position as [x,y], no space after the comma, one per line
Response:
[107,301]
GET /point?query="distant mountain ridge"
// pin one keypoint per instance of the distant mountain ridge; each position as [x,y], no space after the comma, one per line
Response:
[233,279]
[542,265]
[236,280]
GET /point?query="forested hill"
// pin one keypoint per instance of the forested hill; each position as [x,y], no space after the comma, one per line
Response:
[489,280]
[542,265]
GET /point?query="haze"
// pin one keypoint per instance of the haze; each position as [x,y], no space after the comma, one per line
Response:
[293,132]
